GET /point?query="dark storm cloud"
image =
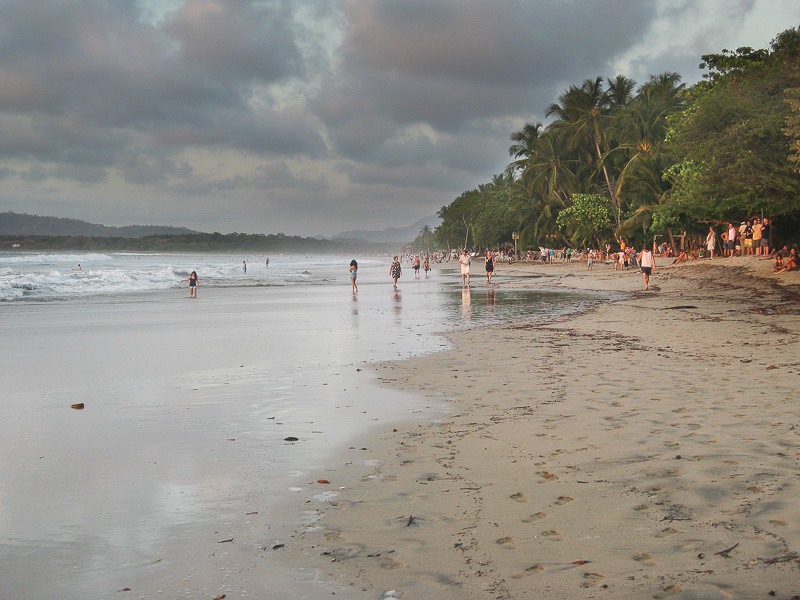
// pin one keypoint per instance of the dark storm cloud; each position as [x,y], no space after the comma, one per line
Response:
[79,80]
[308,115]
[449,63]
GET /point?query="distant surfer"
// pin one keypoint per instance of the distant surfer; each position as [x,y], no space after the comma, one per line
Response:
[268,262]
[192,279]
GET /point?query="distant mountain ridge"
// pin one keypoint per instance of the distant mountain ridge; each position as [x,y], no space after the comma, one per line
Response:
[22,224]
[391,235]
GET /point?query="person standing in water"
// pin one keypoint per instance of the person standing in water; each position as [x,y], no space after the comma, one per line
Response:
[395,270]
[244,266]
[192,279]
[464,260]
[353,274]
[648,265]
[489,266]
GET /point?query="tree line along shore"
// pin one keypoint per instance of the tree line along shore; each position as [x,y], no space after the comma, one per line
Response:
[618,160]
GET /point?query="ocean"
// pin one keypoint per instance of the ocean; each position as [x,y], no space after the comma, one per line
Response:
[181,444]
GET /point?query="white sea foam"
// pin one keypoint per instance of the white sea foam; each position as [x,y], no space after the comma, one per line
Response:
[52,276]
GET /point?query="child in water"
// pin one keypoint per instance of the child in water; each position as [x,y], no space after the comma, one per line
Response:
[353,274]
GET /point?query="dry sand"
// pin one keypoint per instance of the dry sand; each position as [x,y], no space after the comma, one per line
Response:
[647,448]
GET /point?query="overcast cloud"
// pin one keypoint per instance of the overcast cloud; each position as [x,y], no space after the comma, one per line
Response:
[310,116]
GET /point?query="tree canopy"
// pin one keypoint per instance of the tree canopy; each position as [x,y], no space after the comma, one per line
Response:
[650,158]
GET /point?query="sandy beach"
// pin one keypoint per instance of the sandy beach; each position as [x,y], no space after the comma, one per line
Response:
[647,448]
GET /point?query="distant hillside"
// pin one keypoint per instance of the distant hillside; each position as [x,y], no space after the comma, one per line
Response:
[22,224]
[391,235]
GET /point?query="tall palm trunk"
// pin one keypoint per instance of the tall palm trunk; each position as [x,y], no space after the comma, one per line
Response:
[611,188]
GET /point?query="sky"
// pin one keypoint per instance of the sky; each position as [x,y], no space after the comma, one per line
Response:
[311,117]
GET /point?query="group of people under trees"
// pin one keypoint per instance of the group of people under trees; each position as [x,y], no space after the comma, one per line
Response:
[751,238]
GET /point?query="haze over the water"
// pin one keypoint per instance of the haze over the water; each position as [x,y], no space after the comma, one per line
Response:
[310,117]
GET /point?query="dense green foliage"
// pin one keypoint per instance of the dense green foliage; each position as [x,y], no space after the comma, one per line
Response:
[620,160]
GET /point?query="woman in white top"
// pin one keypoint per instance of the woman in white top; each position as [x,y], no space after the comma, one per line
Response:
[464,260]
[648,264]
[711,241]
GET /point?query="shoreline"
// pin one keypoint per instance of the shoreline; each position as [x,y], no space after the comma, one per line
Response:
[608,454]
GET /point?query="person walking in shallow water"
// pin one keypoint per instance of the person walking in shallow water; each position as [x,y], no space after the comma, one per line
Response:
[464,260]
[648,264]
[192,279]
[353,274]
[489,266]
[395,271]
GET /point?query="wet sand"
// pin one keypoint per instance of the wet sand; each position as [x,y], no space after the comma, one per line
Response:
[647,448]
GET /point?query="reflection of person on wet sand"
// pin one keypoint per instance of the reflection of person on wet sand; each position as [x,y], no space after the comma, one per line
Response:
[192,279]
[466,301]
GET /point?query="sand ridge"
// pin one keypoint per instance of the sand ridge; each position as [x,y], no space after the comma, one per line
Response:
[647,448]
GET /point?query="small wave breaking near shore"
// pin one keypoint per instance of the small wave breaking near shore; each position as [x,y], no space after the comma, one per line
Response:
[43,277]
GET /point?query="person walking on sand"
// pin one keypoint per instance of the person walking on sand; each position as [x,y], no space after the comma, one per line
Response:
[192,279]
[711,241]
[353,274]
[464,260]
[426,266]
[395,271]
[416,267]
[648,265]
[489,266]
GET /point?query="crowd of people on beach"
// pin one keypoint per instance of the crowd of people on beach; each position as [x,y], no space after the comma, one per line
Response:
[750,238]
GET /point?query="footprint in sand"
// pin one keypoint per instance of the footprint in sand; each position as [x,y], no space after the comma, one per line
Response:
[519,497]
[563,500]
[645,558]
[666,532]
[692,545]
[671,444]
[534,517]
[553,535]
[528,572]
[390,563]
[334,536]
[506,542]
[778,523]
[591,579]
[641,507]
[670,590]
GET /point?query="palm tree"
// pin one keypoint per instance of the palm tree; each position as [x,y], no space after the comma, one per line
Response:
[641,130]
[620,91]
[582,119]
[524,145]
